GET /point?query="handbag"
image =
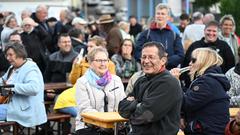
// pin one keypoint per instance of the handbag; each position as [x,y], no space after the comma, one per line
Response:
[5,90]
[4,99]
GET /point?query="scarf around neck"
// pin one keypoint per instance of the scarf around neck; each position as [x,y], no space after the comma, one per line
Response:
[96,81]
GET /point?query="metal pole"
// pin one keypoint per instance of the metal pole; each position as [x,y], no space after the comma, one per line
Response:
[86,10]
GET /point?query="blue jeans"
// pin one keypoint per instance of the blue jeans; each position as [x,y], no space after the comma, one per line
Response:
[3,111]
[69,110]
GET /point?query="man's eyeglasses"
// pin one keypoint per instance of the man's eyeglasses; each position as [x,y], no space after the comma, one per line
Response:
[193,60]
[150,58]
[101,60]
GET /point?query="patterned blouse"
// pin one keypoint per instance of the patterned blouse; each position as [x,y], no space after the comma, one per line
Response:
[234,91]
[125,68]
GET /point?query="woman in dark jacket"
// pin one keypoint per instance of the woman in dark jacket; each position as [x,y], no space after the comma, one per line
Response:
[205,105]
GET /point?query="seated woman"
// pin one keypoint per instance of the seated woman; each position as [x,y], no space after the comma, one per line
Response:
[233,76]
[26,106]
[126,65]
[66,102]
[205,104]
[97,90]
[79,68]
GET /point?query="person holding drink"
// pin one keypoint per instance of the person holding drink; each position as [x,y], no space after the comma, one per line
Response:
[205,106]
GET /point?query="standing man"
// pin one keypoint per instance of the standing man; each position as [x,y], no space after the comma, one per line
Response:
[40,17]
[135,27]
[161,32]
[153,107]
[195,31]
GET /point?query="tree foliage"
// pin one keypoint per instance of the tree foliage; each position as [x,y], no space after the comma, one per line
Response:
[204,3]
[231,7]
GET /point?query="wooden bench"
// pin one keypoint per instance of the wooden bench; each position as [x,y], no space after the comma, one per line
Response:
[60,118]
[10,123]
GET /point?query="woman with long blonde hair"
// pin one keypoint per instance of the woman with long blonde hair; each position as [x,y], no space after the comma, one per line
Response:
[205,104]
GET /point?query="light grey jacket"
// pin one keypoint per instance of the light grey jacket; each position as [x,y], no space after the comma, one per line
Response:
[91,99]
[233,44]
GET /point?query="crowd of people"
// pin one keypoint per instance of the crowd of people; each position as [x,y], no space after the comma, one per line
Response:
[96,55]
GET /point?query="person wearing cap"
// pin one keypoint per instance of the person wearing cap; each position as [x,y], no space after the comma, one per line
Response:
[32,42]
[79,23]
[112,34]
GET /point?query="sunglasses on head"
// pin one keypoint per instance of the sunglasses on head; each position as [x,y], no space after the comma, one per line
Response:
[193,60]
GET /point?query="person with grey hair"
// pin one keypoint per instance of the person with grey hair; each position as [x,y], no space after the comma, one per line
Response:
[227,33]
[195,31]
[153,107]
[31,40]
[45,33]
[160,28]
[208,17]
[97,90]
[9,27]
[28,89]
[26,13]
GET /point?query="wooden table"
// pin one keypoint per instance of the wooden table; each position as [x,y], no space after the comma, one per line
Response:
[233,112]
[180,132]
[103,119]
[57,86]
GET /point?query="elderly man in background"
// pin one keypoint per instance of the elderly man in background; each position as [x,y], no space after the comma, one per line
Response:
[32,43]
[40,17]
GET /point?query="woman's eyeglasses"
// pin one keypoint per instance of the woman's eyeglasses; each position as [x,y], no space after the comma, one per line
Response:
[193,60]
[101,60]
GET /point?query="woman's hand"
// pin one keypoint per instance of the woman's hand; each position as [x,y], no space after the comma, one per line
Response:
[175,72]
[130,98]
[182,125]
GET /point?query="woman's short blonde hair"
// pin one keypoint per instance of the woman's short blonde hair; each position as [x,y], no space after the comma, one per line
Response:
[205,58]
[91,55]
[99,41]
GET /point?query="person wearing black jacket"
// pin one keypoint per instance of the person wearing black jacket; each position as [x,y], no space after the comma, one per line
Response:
[211,40]
[205,107]
[153,107]
[33,44]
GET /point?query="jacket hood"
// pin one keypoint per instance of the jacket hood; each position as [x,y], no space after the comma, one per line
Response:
[154,25]
[217,73]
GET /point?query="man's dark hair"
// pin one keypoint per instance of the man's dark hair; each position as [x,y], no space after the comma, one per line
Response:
[132,16]
[184,16]
[14,33]
[161,49]
[75,32]
[212,23]
[18,48]
[62,35]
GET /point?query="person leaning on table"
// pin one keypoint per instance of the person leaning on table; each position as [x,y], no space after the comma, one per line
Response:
[205,106]
[26,106]
[97,90]
[153,107]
